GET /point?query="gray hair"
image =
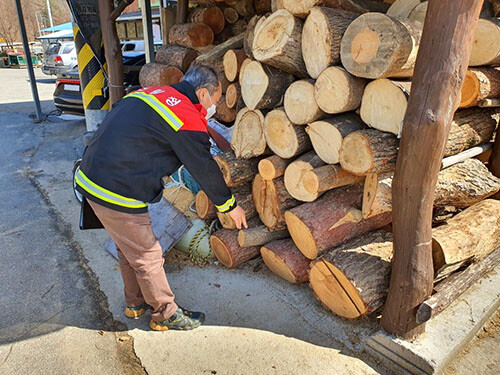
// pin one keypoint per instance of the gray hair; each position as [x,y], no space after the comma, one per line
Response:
[202,77]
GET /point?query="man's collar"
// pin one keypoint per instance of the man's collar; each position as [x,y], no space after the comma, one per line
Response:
[185,88]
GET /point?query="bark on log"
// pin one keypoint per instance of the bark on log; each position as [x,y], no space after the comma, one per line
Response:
[239,27]
[480,84]
[284,138]
[260,235]
[327,135]
[443,53]
[225,247]
[486,45]
[368,151]
[402,8]
[232,63]
[301,8]
[300,104]
[210,16]
[321,36]
[352,280]
[191,35]
[376,46]
[262,86]
[224,113]
[244,199]
[462,185]
[327,178]
[284,259]
[330,220]
[262,6]
[250,34]
[244,7]
[294,176]
[271,199]
[159,75]
[470,235]
[454,286]
[205,209]
[371,151]
[384,103]
[248,139]
[278,42]
[177,56]
[338,91]
[273,167]
[236,171]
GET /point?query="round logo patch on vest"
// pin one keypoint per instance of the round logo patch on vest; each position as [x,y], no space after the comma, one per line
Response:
[172,101]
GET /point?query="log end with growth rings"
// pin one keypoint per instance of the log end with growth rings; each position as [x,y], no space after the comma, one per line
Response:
[356,155]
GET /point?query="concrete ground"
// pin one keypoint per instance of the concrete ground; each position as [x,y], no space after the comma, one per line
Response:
[62,293]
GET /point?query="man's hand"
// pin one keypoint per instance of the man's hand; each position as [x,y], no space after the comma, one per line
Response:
[239,217]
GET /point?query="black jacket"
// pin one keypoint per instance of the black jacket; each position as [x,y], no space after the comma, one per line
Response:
[135,147]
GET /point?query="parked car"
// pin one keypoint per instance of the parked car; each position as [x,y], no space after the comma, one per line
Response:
[68,94]
[60,58]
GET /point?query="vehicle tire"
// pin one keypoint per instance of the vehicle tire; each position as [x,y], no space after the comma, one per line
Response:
[76,168]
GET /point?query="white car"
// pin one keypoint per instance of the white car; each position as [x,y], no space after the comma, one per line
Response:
[60,57]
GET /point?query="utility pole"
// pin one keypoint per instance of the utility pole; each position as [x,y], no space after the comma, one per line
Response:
[50,13]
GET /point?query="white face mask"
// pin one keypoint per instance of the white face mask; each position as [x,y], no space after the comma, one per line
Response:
[211,110]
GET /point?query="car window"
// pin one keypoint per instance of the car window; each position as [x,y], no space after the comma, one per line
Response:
[68,49]
[129,47]
[53,48]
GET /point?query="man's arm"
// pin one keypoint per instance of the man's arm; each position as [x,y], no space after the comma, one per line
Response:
[193,150]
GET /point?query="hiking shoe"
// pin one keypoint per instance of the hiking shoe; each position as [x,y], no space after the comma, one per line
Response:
[183,320]
[137,311]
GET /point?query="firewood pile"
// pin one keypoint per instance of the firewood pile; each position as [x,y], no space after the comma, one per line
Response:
[317,91]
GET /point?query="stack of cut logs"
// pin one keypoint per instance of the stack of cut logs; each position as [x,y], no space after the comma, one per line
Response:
[320,95]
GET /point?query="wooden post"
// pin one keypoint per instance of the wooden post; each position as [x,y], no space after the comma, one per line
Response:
[182,11]
[107,16]
[438,77]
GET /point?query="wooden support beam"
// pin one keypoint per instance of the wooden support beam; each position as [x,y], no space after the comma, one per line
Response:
[182,11]
[455,285]
[439,72]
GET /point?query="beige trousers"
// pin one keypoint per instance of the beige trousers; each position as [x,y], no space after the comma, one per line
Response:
[141,260]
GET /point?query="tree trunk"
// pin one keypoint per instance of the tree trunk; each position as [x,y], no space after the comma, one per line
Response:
[271,200]
[273,167]
[327,135]
[244,7]
[244,200]
[337,91]
[300,104]
[225,247]
[480,84]
[233,96]
[159,75]
[352,280]
[371,151]
[236,171]
[210,16]
[259,236]
[191,35]
[368,151]
[284,138]
[263,87]
[444,52]
[376,46]
[294,175]
[248,139]
[239,27]
[284,259]
[460,186]
[231,15]
[250,34]
[485,47]
[454,287]
[418,13]
[277,42]
[301,8]
[383,105]
[205,209]
[402,8]
[224,113]
[321,36]
[177,56]
[326,178]
[331,220]
[232,63]
[470,235]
